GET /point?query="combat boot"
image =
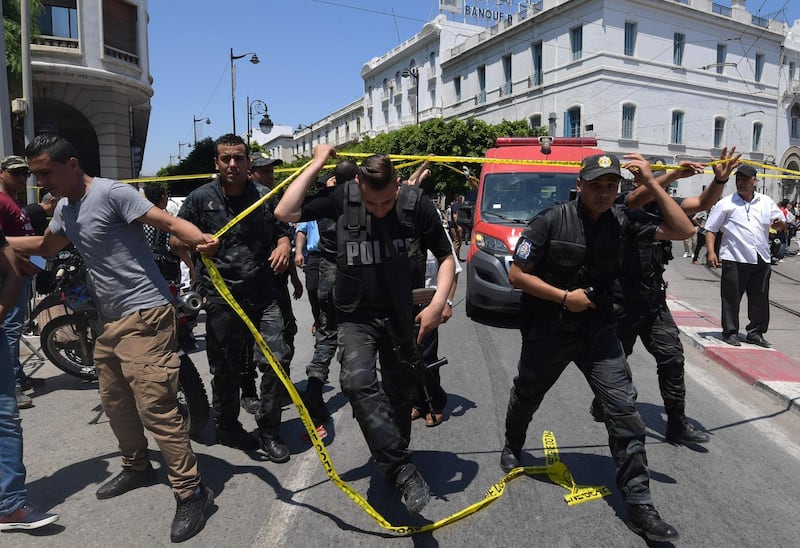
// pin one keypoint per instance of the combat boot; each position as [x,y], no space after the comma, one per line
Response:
[415,491]
[509,459]
[682,432]
[643,519]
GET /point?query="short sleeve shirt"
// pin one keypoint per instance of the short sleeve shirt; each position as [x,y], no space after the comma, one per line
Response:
[121,271]
[744,226]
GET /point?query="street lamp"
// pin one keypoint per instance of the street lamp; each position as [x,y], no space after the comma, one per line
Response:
[195,121]
[180,149]
[254,107]
[769,160]
[413,72]
[253,59]
[310,128]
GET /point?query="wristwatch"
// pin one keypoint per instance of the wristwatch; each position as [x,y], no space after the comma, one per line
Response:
[450,303]
[717,181]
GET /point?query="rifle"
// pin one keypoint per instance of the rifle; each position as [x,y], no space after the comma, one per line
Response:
[408,352]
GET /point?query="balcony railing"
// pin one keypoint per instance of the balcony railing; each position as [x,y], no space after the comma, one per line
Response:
[59,42]
[720,9]
[125,56]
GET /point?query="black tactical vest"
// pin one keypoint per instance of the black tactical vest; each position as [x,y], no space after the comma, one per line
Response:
[366,270]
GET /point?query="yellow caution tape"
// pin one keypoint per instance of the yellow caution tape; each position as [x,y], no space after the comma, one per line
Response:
[555,469]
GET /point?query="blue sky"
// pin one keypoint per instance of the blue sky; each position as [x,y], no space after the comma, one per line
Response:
[311,54]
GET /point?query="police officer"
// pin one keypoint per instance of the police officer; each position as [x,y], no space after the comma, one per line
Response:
[380,228]
[325,334]
[565,263]
[248,256]
[640,297]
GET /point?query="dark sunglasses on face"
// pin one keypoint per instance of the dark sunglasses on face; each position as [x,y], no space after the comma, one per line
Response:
[20,171]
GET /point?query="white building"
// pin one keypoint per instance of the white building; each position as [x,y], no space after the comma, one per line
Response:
[675,79]
[92,82]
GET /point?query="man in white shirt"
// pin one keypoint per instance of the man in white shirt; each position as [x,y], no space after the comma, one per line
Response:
[744,218]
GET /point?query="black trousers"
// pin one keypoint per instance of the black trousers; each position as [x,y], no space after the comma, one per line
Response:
[227,339]
[325,337]
[654,325]
[598,354]
[738,279]
[382,409]
[433,379]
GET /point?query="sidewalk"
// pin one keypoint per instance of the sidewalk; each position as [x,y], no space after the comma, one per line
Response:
[694,291]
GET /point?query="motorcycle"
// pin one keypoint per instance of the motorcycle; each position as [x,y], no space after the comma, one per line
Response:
[68,339]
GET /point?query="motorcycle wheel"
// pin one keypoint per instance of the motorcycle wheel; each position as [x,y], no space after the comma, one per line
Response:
[192,397]
[61,343]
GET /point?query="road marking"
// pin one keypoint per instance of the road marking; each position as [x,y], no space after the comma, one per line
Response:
[710,381]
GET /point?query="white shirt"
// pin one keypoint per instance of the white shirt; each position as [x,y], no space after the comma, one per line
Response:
[744,227]
[432,263]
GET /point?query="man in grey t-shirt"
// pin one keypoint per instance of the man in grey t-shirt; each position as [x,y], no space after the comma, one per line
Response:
[136,354]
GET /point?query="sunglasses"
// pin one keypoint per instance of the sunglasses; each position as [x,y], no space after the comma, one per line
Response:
[20,171]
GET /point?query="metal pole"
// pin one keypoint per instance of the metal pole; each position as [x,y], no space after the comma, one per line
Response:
[233,92]
[6,146]
[249,121]
[27,86]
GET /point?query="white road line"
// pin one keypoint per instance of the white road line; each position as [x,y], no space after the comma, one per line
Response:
[771,430]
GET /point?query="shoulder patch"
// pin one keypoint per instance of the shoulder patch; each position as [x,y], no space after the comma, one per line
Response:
[524,249]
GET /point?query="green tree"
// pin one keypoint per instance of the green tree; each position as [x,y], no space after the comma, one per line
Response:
[470,137]
[199,160]
[12,33]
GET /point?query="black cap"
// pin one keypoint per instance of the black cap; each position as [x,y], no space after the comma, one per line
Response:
[598,165]
[746,170]
[259,159]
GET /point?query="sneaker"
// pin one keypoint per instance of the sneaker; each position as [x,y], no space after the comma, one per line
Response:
[757,339]
[127,480]
[251,404]
[274,448]
[509,459]
[237,437]
[27,517]
[682,432]
[643,519]
[23,401]
[685,255]
[415,491]
[190,515]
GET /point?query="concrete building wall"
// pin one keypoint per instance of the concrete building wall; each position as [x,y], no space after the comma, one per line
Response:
[110,87]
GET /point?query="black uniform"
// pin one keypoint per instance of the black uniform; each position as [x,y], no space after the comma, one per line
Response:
[243,263]
[569,251]
[641,306]
[366,310]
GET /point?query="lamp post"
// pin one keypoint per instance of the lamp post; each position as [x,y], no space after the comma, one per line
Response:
[255,107]
[310,128]
[769,160]
[413,72]
[194,126]
[180,149]
[253,59]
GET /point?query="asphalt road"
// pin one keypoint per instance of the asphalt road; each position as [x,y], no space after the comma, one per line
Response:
[739,490]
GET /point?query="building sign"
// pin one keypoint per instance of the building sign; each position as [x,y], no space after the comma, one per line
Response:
[489,11]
